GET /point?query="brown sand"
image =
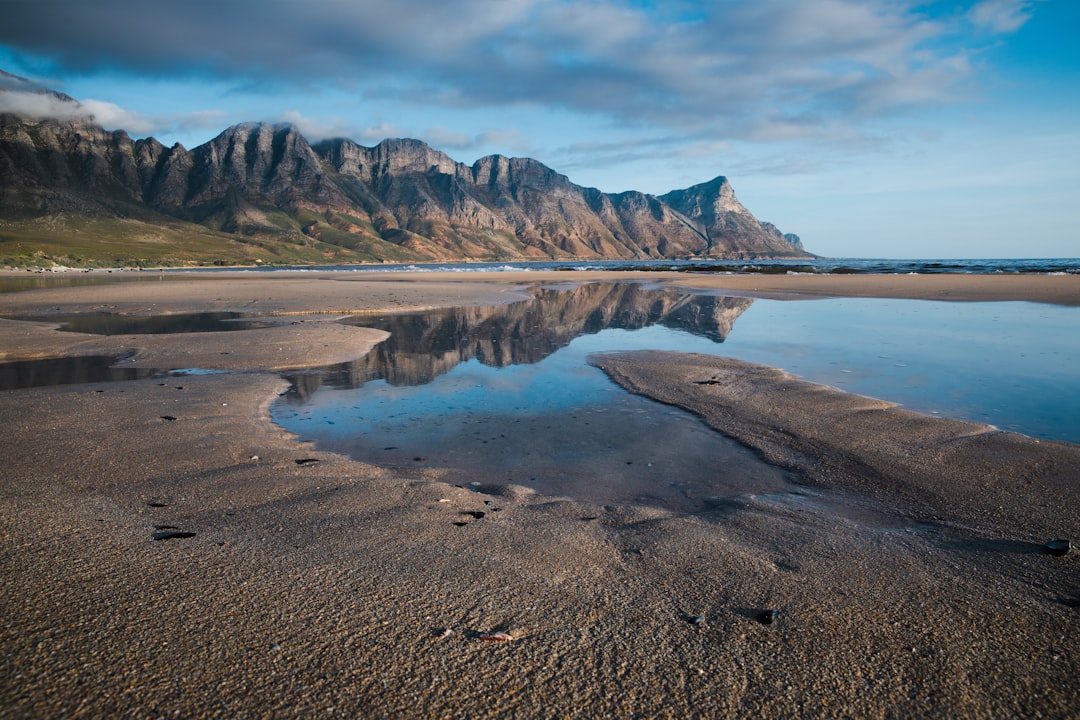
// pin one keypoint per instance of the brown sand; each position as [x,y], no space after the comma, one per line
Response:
[908,577]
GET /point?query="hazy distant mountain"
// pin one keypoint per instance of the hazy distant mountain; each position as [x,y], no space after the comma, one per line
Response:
[265,186]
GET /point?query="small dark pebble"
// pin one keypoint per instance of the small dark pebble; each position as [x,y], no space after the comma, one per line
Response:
[589,518]
[1058,547]
[172,535]
[157,504]
[170,418]
[766,617]
[418,459]
[461,524]
[710,381]
[306,461]
[391,447]
[699,620]
[179,387]
[166,527]
[476,513]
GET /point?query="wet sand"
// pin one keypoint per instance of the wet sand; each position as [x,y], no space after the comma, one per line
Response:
[907,571]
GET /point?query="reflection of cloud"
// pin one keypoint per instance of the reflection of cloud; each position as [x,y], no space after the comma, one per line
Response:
[766,69]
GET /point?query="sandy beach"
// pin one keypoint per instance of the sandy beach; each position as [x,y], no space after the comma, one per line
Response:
[167,551]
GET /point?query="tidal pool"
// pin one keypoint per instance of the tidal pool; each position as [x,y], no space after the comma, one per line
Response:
[48,372]
[121,324]
[506,395]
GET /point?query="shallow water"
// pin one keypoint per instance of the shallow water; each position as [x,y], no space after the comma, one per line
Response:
[557,426]
[72,371]
[119,324]
[1013,365]
[36,281]
[506,394]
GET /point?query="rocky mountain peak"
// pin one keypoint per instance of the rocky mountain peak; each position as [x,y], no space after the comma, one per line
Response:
[400,200]
[706,202]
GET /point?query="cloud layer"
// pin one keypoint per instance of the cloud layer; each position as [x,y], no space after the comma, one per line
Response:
[768,69]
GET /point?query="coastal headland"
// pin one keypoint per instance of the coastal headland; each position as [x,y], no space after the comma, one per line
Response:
[169,551]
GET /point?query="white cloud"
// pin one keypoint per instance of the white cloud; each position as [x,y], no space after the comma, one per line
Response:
[315,129]
[1001,16]
[767,69]
[40,105]
[505,139]
[377,133]
[443,138]
[113,117]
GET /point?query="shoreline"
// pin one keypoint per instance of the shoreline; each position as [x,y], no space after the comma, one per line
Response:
[1053,289]
[314,582]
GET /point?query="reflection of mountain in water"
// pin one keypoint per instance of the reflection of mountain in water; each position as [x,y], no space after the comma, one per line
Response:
[423,346]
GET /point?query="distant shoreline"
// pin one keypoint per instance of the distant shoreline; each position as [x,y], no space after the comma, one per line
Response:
[1053,289]
[730,266]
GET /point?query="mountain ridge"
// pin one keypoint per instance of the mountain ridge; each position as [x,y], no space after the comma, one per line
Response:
[269,194]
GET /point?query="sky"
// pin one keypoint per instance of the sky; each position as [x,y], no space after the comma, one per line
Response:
[871,128]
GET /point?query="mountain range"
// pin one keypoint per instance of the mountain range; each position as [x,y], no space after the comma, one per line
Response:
[74,193]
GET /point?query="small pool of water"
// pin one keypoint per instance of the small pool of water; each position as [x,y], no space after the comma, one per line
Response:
[36,281]
[558,426]
[73,371]
[506,396]
[119,324]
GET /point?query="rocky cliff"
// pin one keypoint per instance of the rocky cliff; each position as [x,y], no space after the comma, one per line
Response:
[399,200]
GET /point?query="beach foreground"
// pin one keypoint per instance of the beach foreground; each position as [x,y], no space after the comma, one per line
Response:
[168,551]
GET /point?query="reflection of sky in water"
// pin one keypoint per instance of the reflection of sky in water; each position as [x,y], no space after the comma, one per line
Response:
[559,383]
[1014,365]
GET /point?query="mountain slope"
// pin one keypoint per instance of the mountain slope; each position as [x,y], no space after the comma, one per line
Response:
[265,188]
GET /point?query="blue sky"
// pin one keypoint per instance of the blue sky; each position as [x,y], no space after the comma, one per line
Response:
[872,128]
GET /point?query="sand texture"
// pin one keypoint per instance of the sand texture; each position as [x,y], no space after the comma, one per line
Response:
[166,550]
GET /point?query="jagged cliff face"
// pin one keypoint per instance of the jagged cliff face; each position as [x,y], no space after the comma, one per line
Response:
[398,200]
[423,346]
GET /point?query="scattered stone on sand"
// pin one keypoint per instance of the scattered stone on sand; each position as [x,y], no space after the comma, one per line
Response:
[767,617]
[170,418]
[496,636]
[306,461]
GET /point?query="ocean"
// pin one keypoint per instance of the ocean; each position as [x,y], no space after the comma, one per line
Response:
[828,266]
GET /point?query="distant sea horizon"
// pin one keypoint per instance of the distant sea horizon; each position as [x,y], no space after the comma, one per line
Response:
[815,266]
